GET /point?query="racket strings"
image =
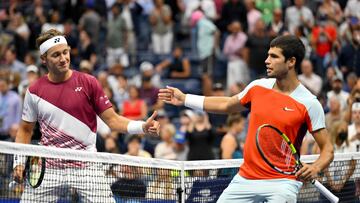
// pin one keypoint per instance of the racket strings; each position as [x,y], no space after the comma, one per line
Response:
[276,150]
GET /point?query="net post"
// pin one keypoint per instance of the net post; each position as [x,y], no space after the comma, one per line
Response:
[182,189]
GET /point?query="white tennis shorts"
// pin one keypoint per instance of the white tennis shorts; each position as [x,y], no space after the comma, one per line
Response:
[270,191]
[89,183]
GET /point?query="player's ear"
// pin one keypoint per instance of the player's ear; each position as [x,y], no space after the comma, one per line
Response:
[291,62]
[43,59]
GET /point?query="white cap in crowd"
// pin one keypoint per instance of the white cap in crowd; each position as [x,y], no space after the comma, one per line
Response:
[32,68]
[145,66]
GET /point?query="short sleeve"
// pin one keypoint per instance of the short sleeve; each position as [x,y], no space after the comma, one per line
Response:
[101,101]
[317,116]
[30,110]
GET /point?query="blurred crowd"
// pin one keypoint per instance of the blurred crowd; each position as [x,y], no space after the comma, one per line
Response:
[209,47]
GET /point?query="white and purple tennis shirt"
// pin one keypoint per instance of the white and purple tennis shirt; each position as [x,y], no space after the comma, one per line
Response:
[66,111]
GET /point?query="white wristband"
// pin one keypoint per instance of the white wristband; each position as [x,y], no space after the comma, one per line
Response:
[194,101]
[135,127]
[19,160]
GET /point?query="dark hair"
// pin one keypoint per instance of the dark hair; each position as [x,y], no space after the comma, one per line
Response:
[233,118]
[291,46]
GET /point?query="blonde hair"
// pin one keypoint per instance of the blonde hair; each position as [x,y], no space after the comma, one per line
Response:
[170,128]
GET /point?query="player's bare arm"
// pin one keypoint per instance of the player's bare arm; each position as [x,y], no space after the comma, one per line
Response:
[25,132]
[310,171]
[120,123]
[23,135]
[221,105]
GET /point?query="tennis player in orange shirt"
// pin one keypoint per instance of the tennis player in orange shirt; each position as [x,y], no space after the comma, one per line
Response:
[282,101]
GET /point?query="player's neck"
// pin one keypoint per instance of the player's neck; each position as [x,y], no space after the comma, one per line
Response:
[59,77]
[286,85]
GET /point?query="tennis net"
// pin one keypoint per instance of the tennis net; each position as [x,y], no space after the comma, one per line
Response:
[79,176]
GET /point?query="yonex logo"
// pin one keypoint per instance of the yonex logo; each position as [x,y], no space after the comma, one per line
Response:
[288,109]
[78,89]
[56,40]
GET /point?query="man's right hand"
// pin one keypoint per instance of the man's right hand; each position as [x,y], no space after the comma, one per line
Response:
[172,95]
[18,173]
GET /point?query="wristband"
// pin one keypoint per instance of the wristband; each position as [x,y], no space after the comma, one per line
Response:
[19,160]
[195,102]
[135,127]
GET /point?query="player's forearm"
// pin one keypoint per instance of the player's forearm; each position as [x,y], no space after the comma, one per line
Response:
[25,132]
[216,104]
[325,158]
[23,137]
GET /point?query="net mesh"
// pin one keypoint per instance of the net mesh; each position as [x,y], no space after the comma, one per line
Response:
[78,176]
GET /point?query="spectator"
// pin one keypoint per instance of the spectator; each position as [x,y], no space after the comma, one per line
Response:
[120,92]
[354,128]
[323,36]
[335,113]
[207,42]
[349,58]
[146,70]
[231,146]
[200,138]
[255,51]
[352,8]
[178,66]
[162,187]
[86,67]
[87,49]
[128,187]
[15,65]
[10,109]
[131,11]
[181,148]
[277,27]
[237,70]
[351,80]
[298,15]
[252,15]
[338,173]
[233,10]
[18,25]
[116,38]
[186,118]
[161,23]
[54,22]
[165,150]
[32,75]
[90,22]
[267,8]
[134,147]
[330,10]
[149,94]
[308,78]
[338,92]
[134,107]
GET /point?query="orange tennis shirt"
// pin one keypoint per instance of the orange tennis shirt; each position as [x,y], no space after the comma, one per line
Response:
[294,114]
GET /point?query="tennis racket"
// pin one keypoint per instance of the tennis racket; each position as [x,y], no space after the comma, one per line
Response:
[33,173]
[280,154]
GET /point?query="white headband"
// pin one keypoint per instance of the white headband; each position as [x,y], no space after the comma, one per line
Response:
[51,42]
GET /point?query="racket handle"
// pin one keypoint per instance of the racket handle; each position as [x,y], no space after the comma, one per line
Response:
[323,190]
